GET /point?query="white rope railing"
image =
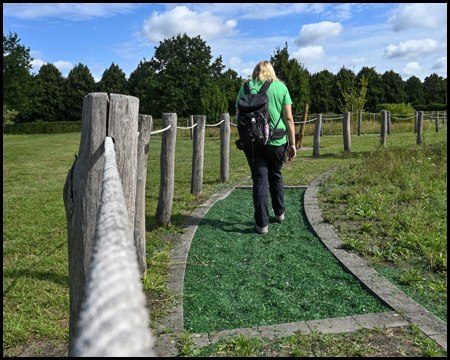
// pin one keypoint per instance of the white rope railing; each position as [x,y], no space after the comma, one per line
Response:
[216,124]
[393,117]
[160,131]
[113,319]
[186,128]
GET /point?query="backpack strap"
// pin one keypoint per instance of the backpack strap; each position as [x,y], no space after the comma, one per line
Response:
[247,88]
[263,89]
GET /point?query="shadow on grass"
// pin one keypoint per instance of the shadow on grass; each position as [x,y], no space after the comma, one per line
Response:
[225,226]
[38,275]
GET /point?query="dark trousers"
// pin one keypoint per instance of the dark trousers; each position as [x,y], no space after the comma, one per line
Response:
[265,164]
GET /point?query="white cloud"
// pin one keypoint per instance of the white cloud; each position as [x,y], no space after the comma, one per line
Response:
[440,64]
[309,53]
[429,15]
[360,60]
[63,65]
[412,68]
[233,62]
[36,54]
[182,20]
[73,11]
[315,32]
[37,63]
[410,49]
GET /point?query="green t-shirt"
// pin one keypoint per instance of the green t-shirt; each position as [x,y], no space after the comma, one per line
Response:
[278,95]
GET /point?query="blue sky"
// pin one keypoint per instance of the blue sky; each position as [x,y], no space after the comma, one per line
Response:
[410,39]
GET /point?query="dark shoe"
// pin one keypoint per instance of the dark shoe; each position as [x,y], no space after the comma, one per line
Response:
[279,218]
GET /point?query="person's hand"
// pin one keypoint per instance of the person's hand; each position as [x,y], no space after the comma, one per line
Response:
[292,152]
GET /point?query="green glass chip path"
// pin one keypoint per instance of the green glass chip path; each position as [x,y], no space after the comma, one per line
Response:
[236,278]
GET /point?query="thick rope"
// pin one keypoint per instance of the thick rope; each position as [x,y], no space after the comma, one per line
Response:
[216,124]
[113,319]
[160,131]
[186,128]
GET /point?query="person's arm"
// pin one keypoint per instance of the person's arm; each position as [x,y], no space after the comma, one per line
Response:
[290,128]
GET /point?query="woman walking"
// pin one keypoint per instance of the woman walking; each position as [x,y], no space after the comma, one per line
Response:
[266,161]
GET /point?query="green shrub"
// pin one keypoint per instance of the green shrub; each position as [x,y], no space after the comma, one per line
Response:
[42,127]
[431,107]
[401,108]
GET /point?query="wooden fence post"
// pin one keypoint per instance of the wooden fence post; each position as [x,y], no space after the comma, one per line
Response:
[167,161]
[301,132]
[198,154]
[419,127]
[191,118]
[123,128]
[81,194]
[383,127]
[144,127]
[317,128]
[225,148]
[389,123]
[443,117]
[415,122]
[437,121]
[346,132]
[359,122]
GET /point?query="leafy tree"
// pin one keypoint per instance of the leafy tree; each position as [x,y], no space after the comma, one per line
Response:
[183,72]
[394,88]
[230,83]
[214,103]
[295,77]
[114,81]
[345,80]
[51,96]
[80,82]
[354,97]
[138,83]
[435,89]
[375,91]
[321,86]
[414,90]
[8,116]
[17,80]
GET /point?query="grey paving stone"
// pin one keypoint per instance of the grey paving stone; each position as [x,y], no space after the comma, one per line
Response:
[429,323]
[200,340]
[398,301]
[360,271]
[214,337]
[336,325]
[441,340]
[387,319]
[283,330]
[166,345]
[172,321]
[379,285]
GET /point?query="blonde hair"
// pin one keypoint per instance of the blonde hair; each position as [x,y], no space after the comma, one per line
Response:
[263,71]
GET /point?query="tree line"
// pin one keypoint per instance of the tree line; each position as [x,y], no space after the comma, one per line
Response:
[183,77]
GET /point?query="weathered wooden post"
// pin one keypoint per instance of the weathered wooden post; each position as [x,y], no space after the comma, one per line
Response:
[437,121]
[144,128]
[443,117]
[389,123]
[225,148]
[317,128]
[359,122]
[198,154]
[321,128]
[383,127]
[82,190]
[346,132]
[191,118]
[167,161]
[419,127]
[415,121]
[301,132]
[123,128]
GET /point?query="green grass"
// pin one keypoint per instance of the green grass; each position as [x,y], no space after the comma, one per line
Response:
[237,278]
[391,208]
[35,265]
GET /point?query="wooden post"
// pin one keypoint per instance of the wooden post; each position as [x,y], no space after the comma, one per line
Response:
[415,121]
[419,127]
[167,161]
[81,194]
[443,117]
[225,148]
[301,133]
[123,128]
[191,118]
[144,127]
[389,123]
[437,121]
[198,154]
[359,122]
[317,128]
[346,132]
[383,127]
[321,127]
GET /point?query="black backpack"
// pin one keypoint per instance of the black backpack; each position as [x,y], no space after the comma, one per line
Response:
[253,119]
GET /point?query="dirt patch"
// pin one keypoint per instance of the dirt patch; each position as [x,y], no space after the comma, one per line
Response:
[39,348]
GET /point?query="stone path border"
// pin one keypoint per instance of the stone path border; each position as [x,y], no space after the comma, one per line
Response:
[406,309]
